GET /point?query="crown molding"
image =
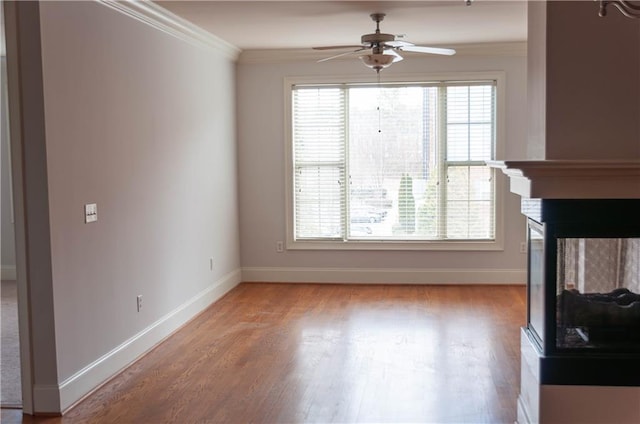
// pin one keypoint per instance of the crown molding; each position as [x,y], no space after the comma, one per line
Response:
[518,48]
[161,19]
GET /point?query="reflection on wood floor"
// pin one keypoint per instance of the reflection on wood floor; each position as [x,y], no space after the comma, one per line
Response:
[292,353]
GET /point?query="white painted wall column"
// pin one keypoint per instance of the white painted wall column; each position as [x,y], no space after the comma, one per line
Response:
[31,197]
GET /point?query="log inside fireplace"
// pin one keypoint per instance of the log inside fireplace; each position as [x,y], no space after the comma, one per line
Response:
[598,319]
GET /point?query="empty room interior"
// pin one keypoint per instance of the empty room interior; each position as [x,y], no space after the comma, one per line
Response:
[320,211]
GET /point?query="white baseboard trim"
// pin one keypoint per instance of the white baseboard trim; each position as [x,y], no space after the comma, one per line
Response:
[8,272]
[384,275]
[86,380]
[522,414]
[47,397]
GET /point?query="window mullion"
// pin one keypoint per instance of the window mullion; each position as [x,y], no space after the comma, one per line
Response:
[468,179]
[466,163]
[493,122]
[442,162]
[346,192]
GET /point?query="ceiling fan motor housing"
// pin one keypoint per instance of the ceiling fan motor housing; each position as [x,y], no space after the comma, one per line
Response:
[377,38]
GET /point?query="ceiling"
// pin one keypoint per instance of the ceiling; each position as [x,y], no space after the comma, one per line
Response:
[267,25]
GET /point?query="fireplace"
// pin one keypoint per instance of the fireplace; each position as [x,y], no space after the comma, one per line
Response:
[580,348]
[583,291]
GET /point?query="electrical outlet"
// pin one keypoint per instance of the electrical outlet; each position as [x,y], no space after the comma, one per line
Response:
[523,247]
[279,247]
[139,302]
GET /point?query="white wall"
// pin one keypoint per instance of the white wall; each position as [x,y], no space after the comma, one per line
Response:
[143,124]
[536,79]
[262,183]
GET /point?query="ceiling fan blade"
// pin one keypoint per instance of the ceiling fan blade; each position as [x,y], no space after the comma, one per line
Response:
[398,43]
[431,50]
[337,47]
[342,54]
[394,53]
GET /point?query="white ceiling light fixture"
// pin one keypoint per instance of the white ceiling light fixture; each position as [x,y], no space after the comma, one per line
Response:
[379,61]
[385,48]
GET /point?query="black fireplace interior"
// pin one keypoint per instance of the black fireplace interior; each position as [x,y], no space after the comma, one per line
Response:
[598,305]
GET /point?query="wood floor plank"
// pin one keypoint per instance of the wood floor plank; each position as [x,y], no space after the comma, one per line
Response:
[287,353]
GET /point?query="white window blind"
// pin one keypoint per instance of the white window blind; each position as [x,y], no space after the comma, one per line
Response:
[469,141]
[394,161]
[319,126]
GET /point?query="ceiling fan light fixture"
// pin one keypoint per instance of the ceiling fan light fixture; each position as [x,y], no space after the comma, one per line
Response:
[384,48]
[379,61]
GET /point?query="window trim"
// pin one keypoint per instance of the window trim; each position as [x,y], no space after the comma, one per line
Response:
[437,245]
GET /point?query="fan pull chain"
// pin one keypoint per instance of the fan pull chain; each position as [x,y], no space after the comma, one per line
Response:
[379,113]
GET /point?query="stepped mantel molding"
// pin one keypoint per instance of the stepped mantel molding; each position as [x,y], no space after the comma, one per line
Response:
[572,179]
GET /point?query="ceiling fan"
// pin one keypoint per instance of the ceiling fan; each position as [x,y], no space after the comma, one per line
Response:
[384,48]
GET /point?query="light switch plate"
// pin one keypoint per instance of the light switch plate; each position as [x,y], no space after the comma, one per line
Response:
[90,213]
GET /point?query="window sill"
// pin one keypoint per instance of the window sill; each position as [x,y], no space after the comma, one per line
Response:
[463,245]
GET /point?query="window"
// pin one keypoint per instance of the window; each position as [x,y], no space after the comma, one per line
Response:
[399,164]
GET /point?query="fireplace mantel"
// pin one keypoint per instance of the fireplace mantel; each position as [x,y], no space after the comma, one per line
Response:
[572,179]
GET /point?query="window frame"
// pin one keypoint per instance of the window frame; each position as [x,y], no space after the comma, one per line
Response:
[436,245]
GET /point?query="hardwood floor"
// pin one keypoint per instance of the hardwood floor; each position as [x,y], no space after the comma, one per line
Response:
[289,353]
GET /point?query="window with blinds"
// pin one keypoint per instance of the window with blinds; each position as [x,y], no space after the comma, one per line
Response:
[394,162]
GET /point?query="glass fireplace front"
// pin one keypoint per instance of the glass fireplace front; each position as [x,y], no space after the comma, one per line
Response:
[598,294]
